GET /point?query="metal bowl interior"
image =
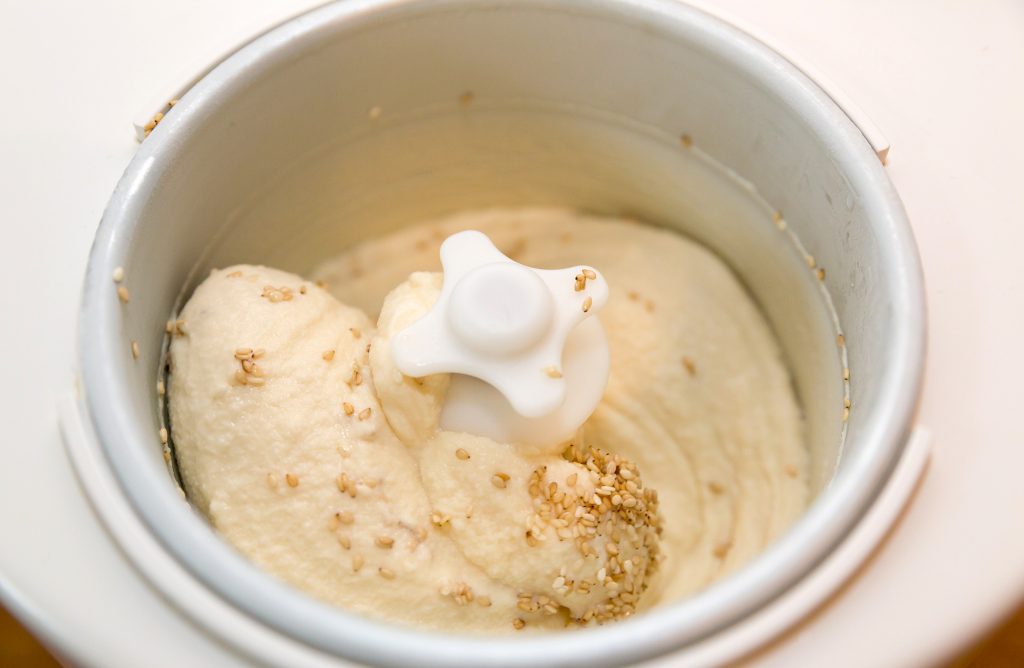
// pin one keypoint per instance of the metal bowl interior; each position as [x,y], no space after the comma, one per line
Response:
[363,116]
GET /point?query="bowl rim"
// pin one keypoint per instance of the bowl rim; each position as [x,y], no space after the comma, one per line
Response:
[190,540]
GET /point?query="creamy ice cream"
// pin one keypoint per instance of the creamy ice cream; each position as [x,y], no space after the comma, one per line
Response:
[310,453]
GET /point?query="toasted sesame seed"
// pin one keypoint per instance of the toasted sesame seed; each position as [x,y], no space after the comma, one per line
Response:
[846,374]
[271,481]
[160,389]
[163,435]
[345,542]
[365,414]
[167,455]
[169,327]
[235,274]
[135,350]
[328,355]
[553,372]
[348,408]
[580,283]
[821,273]
[571,480]
[690,365]
[291,479]
[587,303]
[257,380]
[483,601]
[122,294]
[686,140]
[258,353]
[302,289]
[716,487]
[722,549]
[846,414]
[179,327]
[841,340]
[810,261]
[461,454]
[518,623]
[356,333]
[248,366]
[345,517]
[386,573]
[439,519]
[846,402]
[791,470]
[498,481]
[243,353]
[357,563]
[118,275]
[384,542]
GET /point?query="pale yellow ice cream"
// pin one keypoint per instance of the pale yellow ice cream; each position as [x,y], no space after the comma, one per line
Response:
[308,450]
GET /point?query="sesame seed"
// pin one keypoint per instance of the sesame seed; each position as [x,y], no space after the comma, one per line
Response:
[581,283]
[302,289]
[122,294]
[235,274]
[649,306]
[590,274]
[256,380]
[258,353]
[357,563]
[291,479]
[386,573]
[384,542]
[160,390]
[356,333]
[365,414]
[810,261]
[439,519]
[271,481]
[791,471]
[345,542]
[466,98]
[484,601]
[348,408]
[248,366]
[167,455]
[328,355]
[690,365]
[135,350]
[462,454]
[498,481]
[118,275]
[374,113]
[716,487]
[553,372]
[169,326]
[846,414]
[179,327]
[163,435]
[518,623]
[821,273]
[345,517]
[243,353]
[846,402]
[846,374]
[571,480]
[686,141]
[587,303]
[722,549]
[841,340]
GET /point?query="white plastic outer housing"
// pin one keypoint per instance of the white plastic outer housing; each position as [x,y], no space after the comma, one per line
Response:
[530,363]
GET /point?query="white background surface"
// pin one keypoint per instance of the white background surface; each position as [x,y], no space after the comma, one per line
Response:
[943,80]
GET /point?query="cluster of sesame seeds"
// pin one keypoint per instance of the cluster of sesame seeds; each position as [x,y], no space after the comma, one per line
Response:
[175,327]
[619,518]
[635,296]
[274,295]
[462,594]
[250,372]
[582,278]
[440,519]
[157,117]
[346,485]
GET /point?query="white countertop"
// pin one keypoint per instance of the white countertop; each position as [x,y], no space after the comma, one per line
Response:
[942,81]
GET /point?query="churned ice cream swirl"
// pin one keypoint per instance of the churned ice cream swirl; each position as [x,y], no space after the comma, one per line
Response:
[313,456]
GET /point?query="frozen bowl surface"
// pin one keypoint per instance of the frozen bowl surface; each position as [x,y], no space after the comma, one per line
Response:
[364,116]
